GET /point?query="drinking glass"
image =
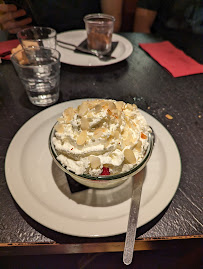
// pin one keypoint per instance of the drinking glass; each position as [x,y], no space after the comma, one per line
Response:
[99,29]
[37,36]
[39,71]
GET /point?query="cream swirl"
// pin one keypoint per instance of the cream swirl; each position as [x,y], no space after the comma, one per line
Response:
[101,133]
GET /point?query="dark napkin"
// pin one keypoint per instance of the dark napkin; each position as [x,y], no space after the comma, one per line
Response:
[83,45]
[74,185]
[6,47]
[173,59]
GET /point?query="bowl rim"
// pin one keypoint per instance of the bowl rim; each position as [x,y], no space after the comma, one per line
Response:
[131,172]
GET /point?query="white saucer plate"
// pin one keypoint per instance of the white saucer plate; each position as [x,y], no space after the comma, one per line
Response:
[40,188]
[68,56]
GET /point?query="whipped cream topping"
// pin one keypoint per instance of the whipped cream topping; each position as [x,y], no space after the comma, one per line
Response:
[101,133]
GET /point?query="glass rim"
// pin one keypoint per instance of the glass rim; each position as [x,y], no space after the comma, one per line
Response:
[53,32]
[12,57]
[88,18]
[131,172]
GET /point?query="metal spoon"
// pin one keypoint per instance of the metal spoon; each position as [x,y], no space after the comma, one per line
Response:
[101,57]
[138,181]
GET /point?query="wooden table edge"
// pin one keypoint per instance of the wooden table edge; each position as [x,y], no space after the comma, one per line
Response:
[29,248]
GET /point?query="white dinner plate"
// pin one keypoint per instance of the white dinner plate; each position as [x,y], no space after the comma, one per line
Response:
[68,56]
[40,188]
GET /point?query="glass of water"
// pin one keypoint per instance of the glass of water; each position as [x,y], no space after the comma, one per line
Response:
[39,71]
[99,28]
[37,36]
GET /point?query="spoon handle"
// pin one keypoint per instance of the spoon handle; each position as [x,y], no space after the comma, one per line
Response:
[101,57]
[138,180]
[76,47]
[66,43]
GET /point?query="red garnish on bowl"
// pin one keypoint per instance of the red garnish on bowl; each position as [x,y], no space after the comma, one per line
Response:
[105,171]
[143,136]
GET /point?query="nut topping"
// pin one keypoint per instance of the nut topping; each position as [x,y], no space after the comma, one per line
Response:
[82,109]
[94,162]
[98,132]
[84,123]
[59,128]
[81,139]
[129,156]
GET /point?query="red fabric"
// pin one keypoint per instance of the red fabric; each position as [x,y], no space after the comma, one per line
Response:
[8,46]
[173,59]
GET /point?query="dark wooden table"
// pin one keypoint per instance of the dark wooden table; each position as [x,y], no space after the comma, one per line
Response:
[137,79]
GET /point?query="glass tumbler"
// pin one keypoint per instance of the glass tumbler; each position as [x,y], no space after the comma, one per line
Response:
[37,36]
[39,72]
[99,28]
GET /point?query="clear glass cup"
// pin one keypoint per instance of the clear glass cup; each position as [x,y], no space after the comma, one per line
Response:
[37,36]
[103,182]
[39,71]
[99,28]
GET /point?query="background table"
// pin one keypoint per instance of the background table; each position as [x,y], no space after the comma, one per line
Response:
[137,79]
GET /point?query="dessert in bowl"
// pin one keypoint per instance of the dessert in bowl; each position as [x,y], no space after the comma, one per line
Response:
[101,143]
